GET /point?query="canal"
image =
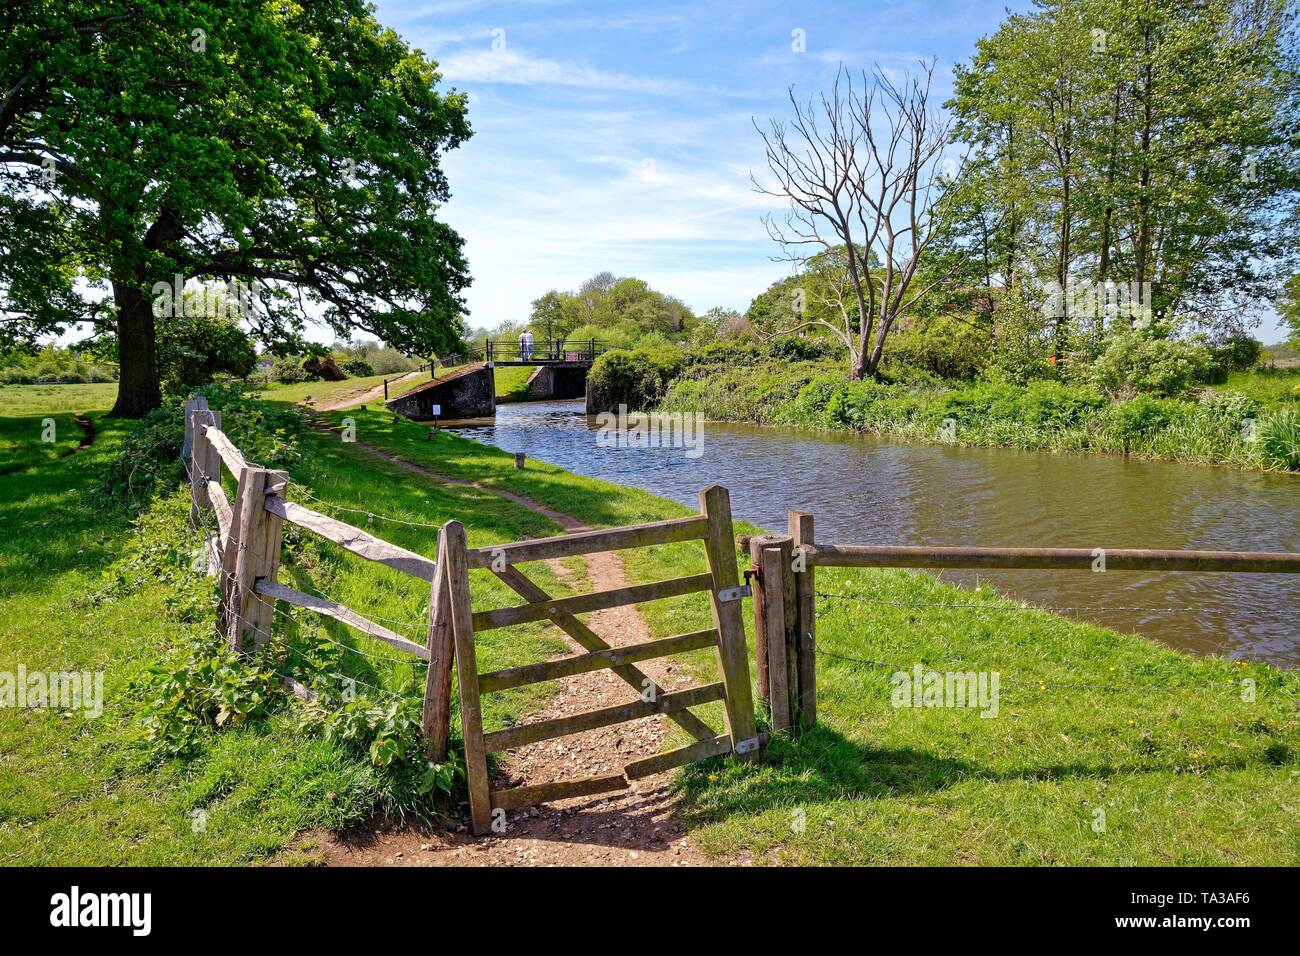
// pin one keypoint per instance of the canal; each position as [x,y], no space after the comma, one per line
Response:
[869,490]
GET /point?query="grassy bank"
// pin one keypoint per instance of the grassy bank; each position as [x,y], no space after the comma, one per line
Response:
[84,586]
[1252,421]
[1184,776]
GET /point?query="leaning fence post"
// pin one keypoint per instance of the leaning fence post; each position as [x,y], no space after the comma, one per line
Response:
[205,463]
[436,718]
[800,525]
[255,540]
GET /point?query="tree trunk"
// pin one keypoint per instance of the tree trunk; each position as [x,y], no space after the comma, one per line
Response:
[858,366]
[138,391]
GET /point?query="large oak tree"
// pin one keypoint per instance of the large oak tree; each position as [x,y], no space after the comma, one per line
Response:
[293,147]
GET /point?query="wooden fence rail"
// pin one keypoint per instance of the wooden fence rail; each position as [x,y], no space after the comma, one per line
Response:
[783,569]
[248,545]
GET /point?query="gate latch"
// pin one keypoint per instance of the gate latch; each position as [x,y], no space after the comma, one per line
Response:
[735,594]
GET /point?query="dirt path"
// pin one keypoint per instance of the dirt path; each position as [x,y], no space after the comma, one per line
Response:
[369,395]
[635,827]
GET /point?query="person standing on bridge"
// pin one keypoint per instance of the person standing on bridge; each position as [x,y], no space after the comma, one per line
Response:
[526,345]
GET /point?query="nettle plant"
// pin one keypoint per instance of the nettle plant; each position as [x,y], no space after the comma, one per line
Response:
[387,733]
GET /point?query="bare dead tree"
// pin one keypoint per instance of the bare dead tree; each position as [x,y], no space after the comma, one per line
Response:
[861,171]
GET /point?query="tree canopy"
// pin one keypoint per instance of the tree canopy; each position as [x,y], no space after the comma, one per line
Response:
[294,148]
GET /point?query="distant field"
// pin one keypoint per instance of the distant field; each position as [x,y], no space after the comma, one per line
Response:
[35,399]
[318,392]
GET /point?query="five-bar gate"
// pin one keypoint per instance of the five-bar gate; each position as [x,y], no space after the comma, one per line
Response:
[451,611]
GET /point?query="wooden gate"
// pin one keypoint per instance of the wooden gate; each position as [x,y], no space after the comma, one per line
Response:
[450,605]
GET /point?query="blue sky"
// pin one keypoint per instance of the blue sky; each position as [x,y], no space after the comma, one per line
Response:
[620,136]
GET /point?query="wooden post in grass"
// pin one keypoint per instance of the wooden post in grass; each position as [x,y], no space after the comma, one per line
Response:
[205,462]
[252,553]
[800,525]
[724,599]
[456,561]
[774,600]
[196,404]
[754,545]
[436,718]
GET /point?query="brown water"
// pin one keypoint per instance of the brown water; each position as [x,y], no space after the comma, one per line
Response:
[866,490]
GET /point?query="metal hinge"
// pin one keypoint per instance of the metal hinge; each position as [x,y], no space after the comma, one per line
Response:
[748,746]
[735,594]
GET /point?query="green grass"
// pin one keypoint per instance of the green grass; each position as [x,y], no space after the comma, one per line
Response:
[27,400]
[1268,387]
[1184,777]
[512,382]
[317,392]
[86,791]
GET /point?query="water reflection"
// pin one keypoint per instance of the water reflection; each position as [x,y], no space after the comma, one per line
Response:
[871,490]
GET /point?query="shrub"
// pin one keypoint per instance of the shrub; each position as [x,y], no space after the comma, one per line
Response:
[1144,359]
[792,348]
[1141,417]
[358,368]
[1237,353]
[150,457]
[1278,439]
[288,370]
[637,378]
[1225,409]
[389,361]
[943,346]
[194,349]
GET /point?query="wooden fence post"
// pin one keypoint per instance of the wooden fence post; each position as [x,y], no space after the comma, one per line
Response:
[776,595]
[196,404]
[205,463]
[436,718]
[253,552]
[733,658]
[471,715]
[801,530]
[754,545]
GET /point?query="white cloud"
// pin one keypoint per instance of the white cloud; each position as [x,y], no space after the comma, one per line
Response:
[510,66]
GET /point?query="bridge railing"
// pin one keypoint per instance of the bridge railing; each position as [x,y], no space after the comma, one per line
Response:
[546,350]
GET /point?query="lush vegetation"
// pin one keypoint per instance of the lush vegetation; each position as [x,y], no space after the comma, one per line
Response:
[293,152]
[1184,777]
[200,757]
[52,365]
[1248,421]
